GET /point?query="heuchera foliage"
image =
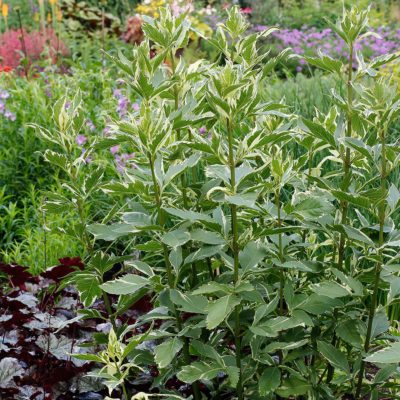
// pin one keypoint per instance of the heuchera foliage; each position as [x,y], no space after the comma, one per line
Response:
[36,45]
[266,272]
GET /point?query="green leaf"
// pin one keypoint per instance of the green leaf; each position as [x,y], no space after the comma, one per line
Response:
[317,304]
[269,380]
[325,62]
[220,309]
[330,289]
[175,238]
[88,286]
[165,352]
[335,357]
[202,253]
[189,303]
[319,132]
[251,255]
[233,375]
[389,355]
[293,386]
[188,215]
[313,207]
[128,284]
[201,235]
[353,198]
[198,371]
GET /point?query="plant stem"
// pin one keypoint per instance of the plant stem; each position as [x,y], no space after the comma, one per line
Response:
[22,39]
[235,250]
[346,160]
[378,265]
[170,275]
[341,249]
[280,252]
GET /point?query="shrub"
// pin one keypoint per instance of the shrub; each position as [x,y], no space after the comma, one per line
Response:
[265,269]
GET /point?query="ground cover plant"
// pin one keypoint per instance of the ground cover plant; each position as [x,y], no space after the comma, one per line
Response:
[270,276]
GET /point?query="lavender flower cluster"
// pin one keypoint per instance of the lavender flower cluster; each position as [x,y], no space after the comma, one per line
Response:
[122,160]
[308,41]
[4,95]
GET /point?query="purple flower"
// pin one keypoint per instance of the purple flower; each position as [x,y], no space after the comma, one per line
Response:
[2,107]
[106,130]
[4,94]
[114,149]
[136,106]
[11,116]
[90,125]
[203,130]
[67,105]
[81,140]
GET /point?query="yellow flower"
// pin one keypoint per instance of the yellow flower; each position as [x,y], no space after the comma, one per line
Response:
[4,10]
[49,18]
[52,2]
[59,15]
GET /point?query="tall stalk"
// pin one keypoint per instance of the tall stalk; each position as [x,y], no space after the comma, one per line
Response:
[344,206]
[235,250]
[378,265]
[170,275]
[280,252]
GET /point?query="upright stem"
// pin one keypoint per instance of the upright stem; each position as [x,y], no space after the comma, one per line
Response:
[22,39]
[346,160]
[280,252]
[344,206]
[378,265]
[170,275]
[235,250]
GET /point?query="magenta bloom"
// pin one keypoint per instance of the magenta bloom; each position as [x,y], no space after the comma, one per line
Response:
[114,149]
[202,130]
[81,140]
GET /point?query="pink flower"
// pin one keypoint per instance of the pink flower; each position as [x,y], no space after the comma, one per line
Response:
[114,149]
[81,140]
[135,106]
[246,10]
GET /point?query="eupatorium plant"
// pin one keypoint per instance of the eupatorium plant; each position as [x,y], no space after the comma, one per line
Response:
[264,269]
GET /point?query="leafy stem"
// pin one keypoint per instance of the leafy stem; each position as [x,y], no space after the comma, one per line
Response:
[235,250]
[378,265]
[170,275]
[344,206]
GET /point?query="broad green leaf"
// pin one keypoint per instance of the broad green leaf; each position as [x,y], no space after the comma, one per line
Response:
[293,386]
[220,309]
[335,357]
[198,371]
[251,255]
[330,289]
[202,253]
[188,215]
[165,352]
[127,284]
[317,304]
[176,238]
[388,355]
[269,380]
[201,235]
[189,302]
